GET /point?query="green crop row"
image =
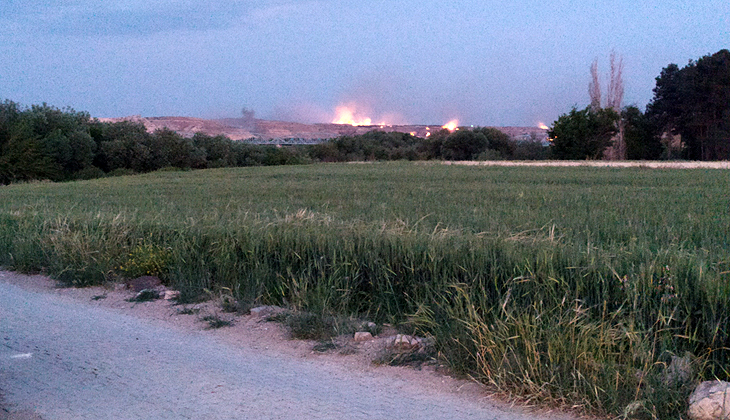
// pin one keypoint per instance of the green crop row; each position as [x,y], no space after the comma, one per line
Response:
[569,286]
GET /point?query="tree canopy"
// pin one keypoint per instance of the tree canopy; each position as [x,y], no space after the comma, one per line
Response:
[694,101]
[43,142]
[583,134]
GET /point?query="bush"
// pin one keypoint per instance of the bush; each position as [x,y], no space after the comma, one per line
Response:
[374,145]
[497,141]
[463,145]
[218,150]
[122,172]
[146,260]
[530,150]
[583,134]
[169,148]
[90,172]
[490,154]
[308,326]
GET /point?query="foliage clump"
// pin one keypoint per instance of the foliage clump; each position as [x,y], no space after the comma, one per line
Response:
[694,102]
[146,260]
[44,142]
[688,118]
[583,134]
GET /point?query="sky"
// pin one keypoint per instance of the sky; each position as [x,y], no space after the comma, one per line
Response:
[486,63]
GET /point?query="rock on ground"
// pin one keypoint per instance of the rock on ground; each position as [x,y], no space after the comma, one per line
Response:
[710,401]
[363,336]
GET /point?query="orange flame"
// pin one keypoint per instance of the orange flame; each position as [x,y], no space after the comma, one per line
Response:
[543,126]
[451,125]
[346,115]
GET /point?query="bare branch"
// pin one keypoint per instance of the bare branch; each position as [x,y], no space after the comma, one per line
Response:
[615,97]
[616,83]
[594,88]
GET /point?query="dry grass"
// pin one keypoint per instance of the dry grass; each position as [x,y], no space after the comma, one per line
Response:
[599,164]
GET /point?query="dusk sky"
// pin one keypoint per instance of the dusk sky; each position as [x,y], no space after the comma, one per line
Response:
[417,62]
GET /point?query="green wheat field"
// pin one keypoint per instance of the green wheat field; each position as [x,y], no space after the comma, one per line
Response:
[574,287]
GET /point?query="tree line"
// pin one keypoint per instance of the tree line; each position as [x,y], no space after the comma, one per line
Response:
[44,142]
[687,118]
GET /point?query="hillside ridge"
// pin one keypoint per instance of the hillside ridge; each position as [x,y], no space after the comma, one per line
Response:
[262,130]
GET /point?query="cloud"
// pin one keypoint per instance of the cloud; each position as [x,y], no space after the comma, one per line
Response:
[84,18]
[268,13]
[141,18]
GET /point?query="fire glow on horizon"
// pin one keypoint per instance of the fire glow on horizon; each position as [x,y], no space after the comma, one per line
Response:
[347,114]
[542,126]
[451,125]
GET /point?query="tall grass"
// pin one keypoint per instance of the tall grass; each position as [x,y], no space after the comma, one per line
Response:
[570,286]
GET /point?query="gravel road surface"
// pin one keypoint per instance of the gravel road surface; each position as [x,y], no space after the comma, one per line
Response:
[64,359]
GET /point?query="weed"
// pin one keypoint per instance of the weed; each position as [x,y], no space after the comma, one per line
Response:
[324,346]
[145,295]
[214,322]
[98,297]
[229,304]
[415,358]
[309,326]
[280,317]
[146,260]
[188,311]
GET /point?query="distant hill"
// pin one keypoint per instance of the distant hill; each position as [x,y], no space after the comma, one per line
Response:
[265,130]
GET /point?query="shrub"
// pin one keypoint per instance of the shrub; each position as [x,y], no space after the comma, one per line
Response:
[530,150]
[146,260]
[497,141]
[90,172]
[583,134]
[122,172]
[464,145]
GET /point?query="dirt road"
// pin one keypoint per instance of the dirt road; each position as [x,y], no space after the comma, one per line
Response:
[64,358]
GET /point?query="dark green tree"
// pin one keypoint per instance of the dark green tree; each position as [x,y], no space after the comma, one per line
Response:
[641,143]
[464,145]
[43,142]
[583,134]
[10,114]
[168,148]
[431,147]
[83,151]
[122,145]
[694,101]
[218,150]
[23,160]
[498,141]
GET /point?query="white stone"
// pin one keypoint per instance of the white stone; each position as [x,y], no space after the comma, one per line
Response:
[363,336]
[710,401]
[172,294]
[266,310]
[405,342]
